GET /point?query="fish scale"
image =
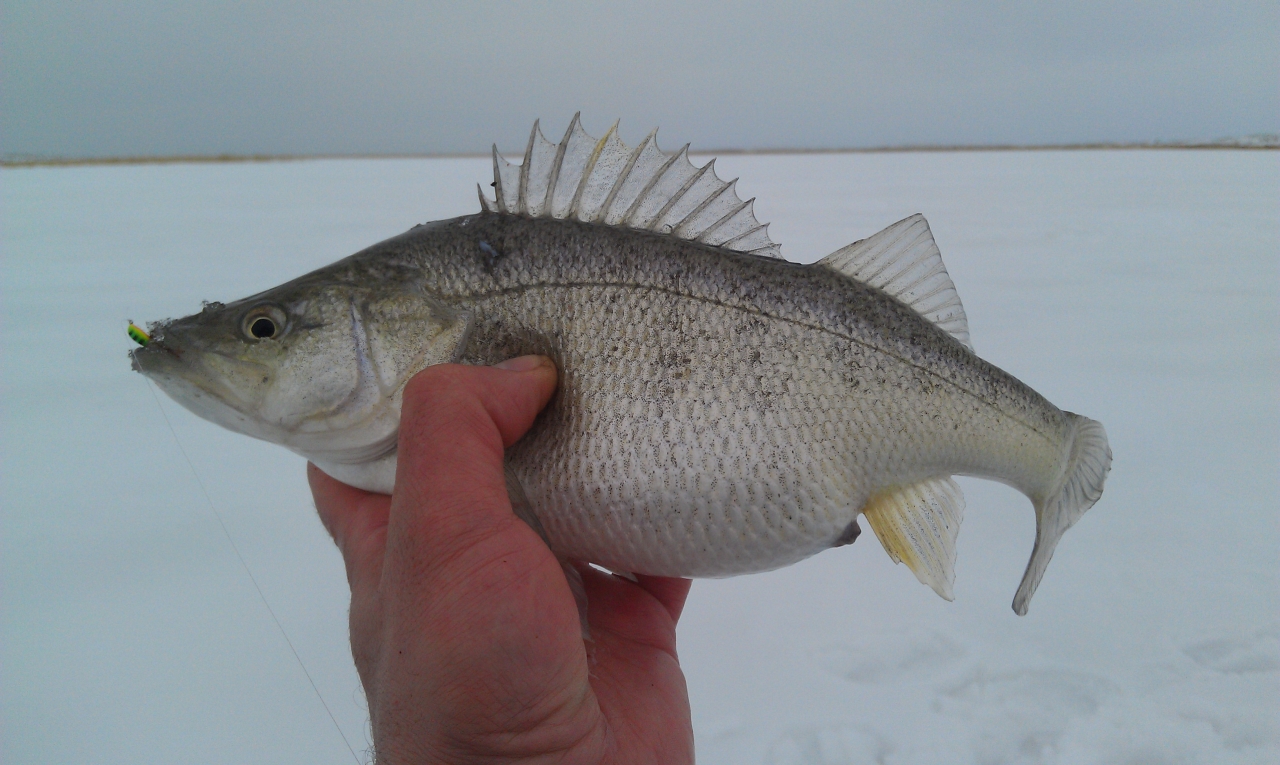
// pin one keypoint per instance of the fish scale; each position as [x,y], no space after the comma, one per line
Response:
[720,410]
[758,375]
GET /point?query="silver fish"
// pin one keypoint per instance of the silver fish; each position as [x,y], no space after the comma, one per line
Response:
[720,410]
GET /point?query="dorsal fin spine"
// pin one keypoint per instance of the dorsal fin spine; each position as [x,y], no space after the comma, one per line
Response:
[555,169]
[500,198]
[644,193]
[604,181]
[624,175]
[586,172]
[688,219]
[744,234]
[523,203]
[705,235]
[656,225]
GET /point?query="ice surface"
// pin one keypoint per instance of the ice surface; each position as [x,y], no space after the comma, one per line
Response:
[1138,288]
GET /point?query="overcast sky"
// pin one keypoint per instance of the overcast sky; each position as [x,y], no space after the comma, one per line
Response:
[153,78]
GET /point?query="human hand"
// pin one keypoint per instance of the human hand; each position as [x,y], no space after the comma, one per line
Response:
[463,626]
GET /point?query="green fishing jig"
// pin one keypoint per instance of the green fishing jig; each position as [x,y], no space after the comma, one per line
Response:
[138,335]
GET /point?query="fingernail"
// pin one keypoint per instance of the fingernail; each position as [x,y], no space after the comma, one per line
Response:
[522,363]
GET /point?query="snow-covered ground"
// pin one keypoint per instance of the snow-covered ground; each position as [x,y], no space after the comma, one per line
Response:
[1137,287]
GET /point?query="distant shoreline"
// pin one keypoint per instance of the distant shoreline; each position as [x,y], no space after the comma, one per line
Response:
[1261,143]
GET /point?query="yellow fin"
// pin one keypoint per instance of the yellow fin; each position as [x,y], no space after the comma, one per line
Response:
[918,524]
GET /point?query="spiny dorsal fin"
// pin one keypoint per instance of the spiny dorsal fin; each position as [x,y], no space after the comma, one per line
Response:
[903,261]
[604,181]
[918,525]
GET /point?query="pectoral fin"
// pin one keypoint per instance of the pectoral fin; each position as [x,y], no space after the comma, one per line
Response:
[918,524]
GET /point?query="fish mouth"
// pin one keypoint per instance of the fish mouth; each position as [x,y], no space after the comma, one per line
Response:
[212,381]
[144,359]
[195,379]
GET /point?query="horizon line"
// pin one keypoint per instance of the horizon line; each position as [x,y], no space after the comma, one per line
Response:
[1262,142]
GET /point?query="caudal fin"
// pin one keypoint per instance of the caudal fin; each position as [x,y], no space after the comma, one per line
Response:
[1087,467]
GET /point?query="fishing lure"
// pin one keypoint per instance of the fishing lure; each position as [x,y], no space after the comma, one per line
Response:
[137,334]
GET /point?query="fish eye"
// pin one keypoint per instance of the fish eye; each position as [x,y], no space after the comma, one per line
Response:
[263,328]
[264,323]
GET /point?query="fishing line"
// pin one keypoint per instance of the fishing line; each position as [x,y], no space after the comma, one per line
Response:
[252,578]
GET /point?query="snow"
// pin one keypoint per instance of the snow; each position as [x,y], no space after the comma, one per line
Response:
[1136,287]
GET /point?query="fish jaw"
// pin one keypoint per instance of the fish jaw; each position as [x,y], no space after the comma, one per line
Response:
[328,386]
[240,395]
[195,379]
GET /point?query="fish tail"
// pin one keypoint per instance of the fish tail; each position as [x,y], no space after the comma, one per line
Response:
[1088,461]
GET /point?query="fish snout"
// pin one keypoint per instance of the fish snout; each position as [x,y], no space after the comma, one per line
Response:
[152,357]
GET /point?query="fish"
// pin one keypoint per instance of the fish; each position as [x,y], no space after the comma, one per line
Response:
[720,410]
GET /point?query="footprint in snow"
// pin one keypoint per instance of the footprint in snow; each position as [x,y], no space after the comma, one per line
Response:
[914,654]
[829,745]
[1259,652]
[1021,716]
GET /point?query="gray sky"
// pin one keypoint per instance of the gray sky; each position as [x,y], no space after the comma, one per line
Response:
[152,78]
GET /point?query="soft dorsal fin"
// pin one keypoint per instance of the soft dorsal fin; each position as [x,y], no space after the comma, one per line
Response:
[918,525]
[903,261]
[604,181]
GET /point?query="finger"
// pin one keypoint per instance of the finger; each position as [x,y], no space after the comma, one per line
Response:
[455,424]
[669,591]
[356,520]
[335,501]
[630,612]
[465,582]
[513,411]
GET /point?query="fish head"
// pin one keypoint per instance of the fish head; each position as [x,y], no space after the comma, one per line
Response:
[317,365]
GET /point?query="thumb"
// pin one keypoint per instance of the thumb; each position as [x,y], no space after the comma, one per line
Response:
[483,402]
[455,424]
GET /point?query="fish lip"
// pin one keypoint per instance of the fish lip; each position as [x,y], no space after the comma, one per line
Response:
[152,347]
[162,360]
[157,345]
[140,358]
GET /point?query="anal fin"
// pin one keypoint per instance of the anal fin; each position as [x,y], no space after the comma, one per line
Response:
[918,525]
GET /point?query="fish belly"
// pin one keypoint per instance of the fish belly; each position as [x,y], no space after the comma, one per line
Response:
[693,439]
